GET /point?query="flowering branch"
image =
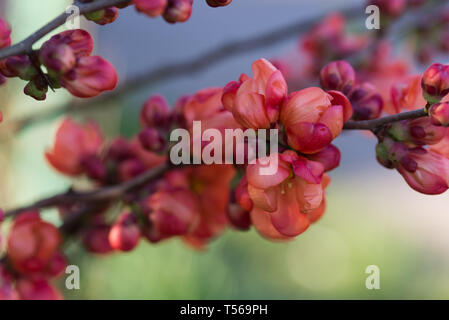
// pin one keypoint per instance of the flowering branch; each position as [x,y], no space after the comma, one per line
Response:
[376,123]
[26,45]
[100,195]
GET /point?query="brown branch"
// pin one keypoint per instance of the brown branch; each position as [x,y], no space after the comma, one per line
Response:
[95,196]
[26,45]
[376,123]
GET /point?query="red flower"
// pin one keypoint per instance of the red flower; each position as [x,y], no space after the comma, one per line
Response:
[125,234]
[32,243]
[313,118]
[5,34]
[37,289]
[73,143]
[254,102]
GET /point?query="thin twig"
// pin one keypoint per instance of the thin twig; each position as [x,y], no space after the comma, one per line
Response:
[26,45]
[99,195]
[375,123]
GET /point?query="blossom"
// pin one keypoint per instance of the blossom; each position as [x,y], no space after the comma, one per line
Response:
[32,243]
[218,3]
[37,289]
[177,11]
[152,8]
[254,102]
[313,118]
[337,75]
[155,113]
[282,201]
[73,142]
[124,234]
[439,114]
[435,82]
[405,94]
[103,16]
[366,101]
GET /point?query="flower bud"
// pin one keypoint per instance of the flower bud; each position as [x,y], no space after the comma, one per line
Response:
[125,234]
[152,140]
[337,75]
[439,114]
[94,167]
[366,102]
[5,34]
[120,149]
[152,8]
[78,40]
[218,3]
[103,16]
[18,66]
[37,289]
[96,239]
[37,88]
[329,157]
[156,113]
[238,217]
[435,83]
[130,168]
[178,11]
[417,131]
[59,58]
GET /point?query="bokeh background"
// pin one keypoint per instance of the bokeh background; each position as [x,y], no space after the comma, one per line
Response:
[373,217]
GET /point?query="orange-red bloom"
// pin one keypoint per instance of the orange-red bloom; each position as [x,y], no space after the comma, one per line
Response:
[313,118]
[73,142]
[255,102]
[283,202]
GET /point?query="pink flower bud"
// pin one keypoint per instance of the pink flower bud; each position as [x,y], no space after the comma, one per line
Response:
[37,88]
[337,75]
[130,168]
[417,131]
[37,289]
[431,174]
[329,157]
[91,76]
[439,114]
[78,40]
[94,167]
[178,10]
[120,149]
[152,8]
[152,140]
[238,217]
[57,57]
[125,234]
[104,16]
[435,82]
[5,34]
[156,113]
[96,239]
[218,3]
[73,142]
[366,102]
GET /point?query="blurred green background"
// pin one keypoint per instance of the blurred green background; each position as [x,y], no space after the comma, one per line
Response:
[373,217]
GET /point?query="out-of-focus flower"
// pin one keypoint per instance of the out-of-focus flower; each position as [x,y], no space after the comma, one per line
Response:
[32,243]
[177,11]
[218,3]
[73,142]
[5,34]
[392,8]
[125,233]
[329,157]
[439,114]
[254,102]
[103,16]
[366,102]
[405,94]
[156,113]
[152,140]
[435,82]
[313,118]
[152,8]
[96,238]
[37,289]
[283,200]
[337,75]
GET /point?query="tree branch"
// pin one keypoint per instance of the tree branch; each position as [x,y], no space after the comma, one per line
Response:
[26,45]
[375,123]
[99,195]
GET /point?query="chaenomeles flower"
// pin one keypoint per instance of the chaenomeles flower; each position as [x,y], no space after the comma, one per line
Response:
[72,145]
[96,238]
[329,157]
[254,102]
[152,8]
[37,288]
[392,8]
[67,58]
[435,82]
[32,243]
[337,75]
[5,34]
[439,114]
[419,131]
[366,102]
[283,201]
[405,94]
[156,113]
[125,234]
[313,118]
[177,11]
